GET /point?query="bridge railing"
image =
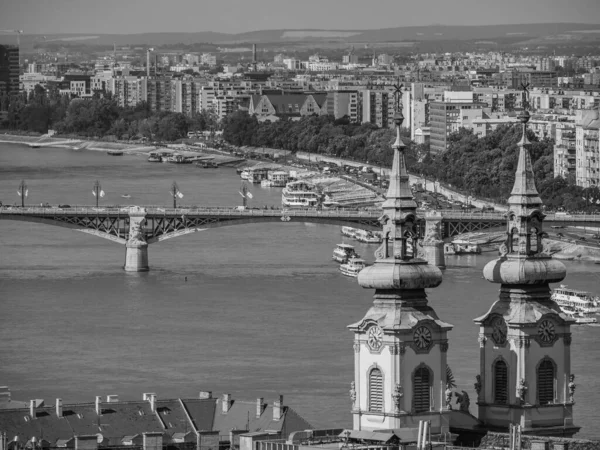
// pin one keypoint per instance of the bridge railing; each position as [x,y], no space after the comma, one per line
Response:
[237,211]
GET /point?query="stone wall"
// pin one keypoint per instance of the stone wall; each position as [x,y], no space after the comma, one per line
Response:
[501,440]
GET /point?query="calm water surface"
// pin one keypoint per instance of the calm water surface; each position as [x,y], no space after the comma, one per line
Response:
[263,312]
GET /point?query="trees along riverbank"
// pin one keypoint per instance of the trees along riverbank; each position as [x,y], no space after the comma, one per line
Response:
[480,167]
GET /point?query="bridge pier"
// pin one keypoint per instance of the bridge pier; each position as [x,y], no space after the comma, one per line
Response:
[136,248]
[433,246]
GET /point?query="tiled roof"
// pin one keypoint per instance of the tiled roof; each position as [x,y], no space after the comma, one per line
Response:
[126,420]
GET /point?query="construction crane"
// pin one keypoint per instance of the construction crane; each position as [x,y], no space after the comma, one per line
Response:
[19,33]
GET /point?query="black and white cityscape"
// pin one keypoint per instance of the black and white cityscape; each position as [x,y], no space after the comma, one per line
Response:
[387,223]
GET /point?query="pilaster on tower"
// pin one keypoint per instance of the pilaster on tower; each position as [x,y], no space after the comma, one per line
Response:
[525,361]
[400,344]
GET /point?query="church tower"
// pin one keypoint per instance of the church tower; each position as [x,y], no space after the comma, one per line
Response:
[400,345]
[525,340]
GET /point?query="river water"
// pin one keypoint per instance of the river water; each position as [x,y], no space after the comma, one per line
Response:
[263,311]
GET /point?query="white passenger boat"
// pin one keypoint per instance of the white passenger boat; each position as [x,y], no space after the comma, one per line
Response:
[343,252]
[299,194]
[353,267]
[461,247]
[349,231]
[367,237]
[576,300]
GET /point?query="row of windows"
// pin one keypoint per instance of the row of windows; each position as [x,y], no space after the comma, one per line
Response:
[422,383]
[545,381]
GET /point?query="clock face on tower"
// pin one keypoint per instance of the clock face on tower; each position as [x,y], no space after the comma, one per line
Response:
[499,330]
[422,337]
[546,331]
[375,338]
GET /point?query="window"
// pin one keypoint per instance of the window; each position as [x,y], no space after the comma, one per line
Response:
[422,390]
[500,382]
[545,382]
[376,390]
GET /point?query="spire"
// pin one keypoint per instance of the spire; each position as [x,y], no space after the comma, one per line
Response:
[524,194]
[399,196]
[524,259]
[398,267]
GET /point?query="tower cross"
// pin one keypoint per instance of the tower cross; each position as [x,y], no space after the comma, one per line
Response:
[397,94]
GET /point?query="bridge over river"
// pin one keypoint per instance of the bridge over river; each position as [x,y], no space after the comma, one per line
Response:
[137,227]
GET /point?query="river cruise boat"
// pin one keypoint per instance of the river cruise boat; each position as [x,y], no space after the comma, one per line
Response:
[179,159]
[343,252]
[367,237]
[579,317]
[349,231]
[207,164]
[576,300]
[353,267]
[461,247]
[154,157]
[299,194]
[278,178]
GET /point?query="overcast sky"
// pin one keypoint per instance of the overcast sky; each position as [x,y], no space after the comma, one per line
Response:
[234,16]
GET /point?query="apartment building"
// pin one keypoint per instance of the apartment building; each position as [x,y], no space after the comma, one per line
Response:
[9,70]
[343,103]
[565,151]
[287,104]
[444,118]
[378,107]
[587,126]
[159,94]
[129,90]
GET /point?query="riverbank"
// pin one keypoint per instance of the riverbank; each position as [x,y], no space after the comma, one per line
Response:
[569,248]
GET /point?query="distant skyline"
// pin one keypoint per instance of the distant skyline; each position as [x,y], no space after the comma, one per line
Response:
[237,16]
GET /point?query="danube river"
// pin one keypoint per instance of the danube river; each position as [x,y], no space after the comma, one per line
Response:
[254,310]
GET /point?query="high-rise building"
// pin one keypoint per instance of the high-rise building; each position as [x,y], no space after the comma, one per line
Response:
[587,132]
[343,103]
[9,71]
[443,118]
[525,339]
[378,107]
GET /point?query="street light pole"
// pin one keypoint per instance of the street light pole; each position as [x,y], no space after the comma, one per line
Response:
[97,190]
[174,193]
[23,192]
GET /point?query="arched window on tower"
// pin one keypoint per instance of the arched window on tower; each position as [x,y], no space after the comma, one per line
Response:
[422,381]
[546,381]
[376,390]
[500,382]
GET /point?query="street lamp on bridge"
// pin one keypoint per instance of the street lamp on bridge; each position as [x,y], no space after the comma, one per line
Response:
[23,192]
[176,193]
[97,191]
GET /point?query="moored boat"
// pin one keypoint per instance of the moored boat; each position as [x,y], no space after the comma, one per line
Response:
[367,237]
[461,247]
[154,157]
[115,152]
[299,194]
[343,252]
[349,231]
[353,267]
[573,299]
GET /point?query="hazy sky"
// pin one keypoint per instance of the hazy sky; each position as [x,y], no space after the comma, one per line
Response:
[138,16]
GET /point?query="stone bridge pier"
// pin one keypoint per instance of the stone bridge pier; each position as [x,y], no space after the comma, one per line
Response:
[136,248]
[433,245]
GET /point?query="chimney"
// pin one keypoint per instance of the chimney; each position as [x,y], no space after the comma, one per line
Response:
[259,407]
[278,408]
[205,394]
[98,405]
[152,401]
[226,403]
[59,407]
[32,409]
[112,399]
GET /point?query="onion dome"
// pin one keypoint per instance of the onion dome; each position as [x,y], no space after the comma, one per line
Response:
[398,266]
[524,260]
